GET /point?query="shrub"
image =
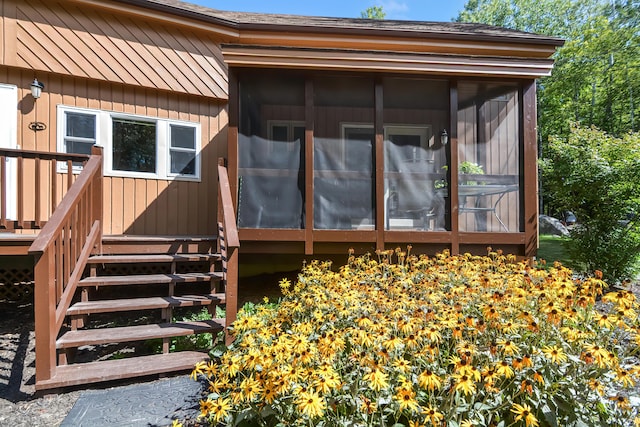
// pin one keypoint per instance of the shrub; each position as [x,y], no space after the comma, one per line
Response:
[444,341]
[597,177]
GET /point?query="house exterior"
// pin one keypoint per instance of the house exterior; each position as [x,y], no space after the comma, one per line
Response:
[142,132]
[333,128]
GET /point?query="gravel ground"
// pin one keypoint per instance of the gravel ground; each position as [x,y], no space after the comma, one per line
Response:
[20,406]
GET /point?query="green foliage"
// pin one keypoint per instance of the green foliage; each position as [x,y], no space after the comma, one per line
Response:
[596,79]
[373,12]
[597,176]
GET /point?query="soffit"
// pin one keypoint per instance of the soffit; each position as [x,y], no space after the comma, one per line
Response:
[385,61]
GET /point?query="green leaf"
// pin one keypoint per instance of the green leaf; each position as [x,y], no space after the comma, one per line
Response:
[550,414]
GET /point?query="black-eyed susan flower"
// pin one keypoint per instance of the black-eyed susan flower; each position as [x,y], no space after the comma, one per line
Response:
[503,368]
[463,383]
[377,379]
[311,404]
[433,415]
[554,353]
[523,412]
[621,401]
[428,380]
[220,408]
[405,397]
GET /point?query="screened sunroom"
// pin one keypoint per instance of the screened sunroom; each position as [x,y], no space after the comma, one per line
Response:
[360,158]
[432,145]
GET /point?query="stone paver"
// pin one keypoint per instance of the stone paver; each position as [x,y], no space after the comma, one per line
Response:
[151,404]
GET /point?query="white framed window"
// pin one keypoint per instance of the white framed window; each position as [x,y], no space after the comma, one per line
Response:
[286,131]
[134,145]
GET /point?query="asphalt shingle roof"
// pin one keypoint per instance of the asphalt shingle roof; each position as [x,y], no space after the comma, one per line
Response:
[337,25]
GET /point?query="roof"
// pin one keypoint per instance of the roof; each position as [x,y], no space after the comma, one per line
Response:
[275,22]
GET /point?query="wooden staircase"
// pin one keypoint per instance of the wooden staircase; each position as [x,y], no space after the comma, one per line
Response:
[158,293]
[75,282]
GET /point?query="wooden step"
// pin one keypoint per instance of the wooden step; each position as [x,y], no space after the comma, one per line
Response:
[151,303]
[154,258]
[129,244]
[93,372]
[78,338]
[147,279]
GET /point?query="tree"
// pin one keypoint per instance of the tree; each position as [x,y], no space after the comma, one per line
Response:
[373,12]
[596,80]
[597,176]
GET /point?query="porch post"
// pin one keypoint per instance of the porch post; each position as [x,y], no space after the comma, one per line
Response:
[45,316]
[530,172]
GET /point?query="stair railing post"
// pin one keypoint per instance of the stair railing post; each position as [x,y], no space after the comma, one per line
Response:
[45,315]
[231,290]
[97,195]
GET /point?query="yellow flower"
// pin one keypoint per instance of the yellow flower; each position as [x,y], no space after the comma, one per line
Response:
[377,380]
[625,378]
[406,399]
[311,404]
[555,354]
[220,409]
[504,369]
[198,369]
[464,383]
[429,380]
[402,365]
[524,412]
[367,406]
[621,401]
[250,389]
[509,347]
[205,408]
[597,386]
[433,415]
[176,423]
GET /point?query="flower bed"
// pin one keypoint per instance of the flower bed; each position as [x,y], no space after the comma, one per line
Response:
[442,341]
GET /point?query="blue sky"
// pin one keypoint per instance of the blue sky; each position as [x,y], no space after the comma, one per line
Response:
[418,10]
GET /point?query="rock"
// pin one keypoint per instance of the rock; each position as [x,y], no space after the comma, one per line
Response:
[552,226]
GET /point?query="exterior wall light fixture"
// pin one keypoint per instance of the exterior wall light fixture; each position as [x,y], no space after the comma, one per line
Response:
[36,88]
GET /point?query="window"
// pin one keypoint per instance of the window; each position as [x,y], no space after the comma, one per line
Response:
[182,152]
[135,146]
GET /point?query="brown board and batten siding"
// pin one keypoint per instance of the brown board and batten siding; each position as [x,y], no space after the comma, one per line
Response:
[106,60]
[132,205]
[70,39]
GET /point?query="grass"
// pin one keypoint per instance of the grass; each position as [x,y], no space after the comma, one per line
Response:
[552,249]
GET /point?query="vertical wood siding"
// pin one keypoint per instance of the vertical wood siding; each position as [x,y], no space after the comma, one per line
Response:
[70,39]
[132,205]
[495,146]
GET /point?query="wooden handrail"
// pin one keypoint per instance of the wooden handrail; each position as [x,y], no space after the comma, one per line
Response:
[44,155]
[229,244]
[228,213]
[64,211]
[26,170]
[61,251]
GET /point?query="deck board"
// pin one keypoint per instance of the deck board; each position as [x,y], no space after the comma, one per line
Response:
[153,258]
[83,337]
[150,303]
[148,279]
[108,370]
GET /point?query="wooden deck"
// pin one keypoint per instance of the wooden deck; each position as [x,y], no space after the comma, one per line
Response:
[77,270]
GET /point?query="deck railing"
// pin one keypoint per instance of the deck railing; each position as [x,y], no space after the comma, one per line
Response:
[23,173]
[228,244]
[61,250]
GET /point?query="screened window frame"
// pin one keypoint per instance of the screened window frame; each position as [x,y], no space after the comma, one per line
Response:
[104,138]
